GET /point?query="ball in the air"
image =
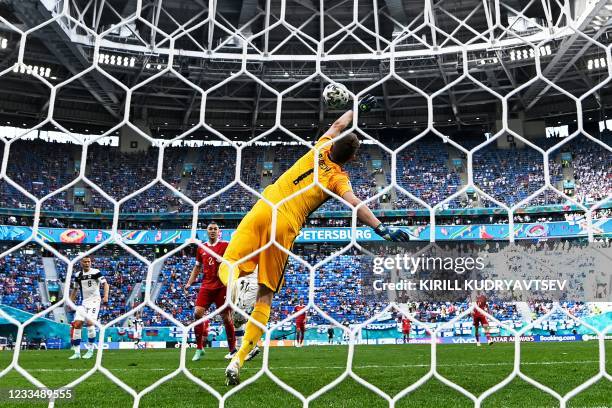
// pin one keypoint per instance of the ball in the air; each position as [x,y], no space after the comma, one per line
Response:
[336,95]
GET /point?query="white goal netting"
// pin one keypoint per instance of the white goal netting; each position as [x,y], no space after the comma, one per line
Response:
[454,45]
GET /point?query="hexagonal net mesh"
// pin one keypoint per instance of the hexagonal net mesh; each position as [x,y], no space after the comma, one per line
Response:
[437,67]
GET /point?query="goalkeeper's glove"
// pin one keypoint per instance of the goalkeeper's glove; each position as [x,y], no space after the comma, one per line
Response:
[394,235]
[367,103]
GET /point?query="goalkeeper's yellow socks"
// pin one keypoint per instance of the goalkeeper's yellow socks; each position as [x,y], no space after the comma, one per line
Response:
[224,273]
[252,334]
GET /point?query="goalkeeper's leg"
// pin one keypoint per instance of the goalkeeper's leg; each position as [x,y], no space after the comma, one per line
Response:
[252,234]
[252,334]
[243,295]
[260,314]
[271,263]
[239,335]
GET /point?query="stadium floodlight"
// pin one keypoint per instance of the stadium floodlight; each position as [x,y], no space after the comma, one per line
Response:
[595,63]
[3,43]
[545,50]
[118,60]
[526,53]
[32,70]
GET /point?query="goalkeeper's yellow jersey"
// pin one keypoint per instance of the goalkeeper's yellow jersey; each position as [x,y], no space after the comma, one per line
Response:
[301,174]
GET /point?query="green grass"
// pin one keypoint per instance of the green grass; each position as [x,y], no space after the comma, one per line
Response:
[560,366]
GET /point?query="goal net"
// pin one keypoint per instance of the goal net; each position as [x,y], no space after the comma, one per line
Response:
[490,113]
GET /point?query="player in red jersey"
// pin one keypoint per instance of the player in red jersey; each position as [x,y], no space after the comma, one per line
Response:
[300,325]
[480,319]
[211,290]
[406,328]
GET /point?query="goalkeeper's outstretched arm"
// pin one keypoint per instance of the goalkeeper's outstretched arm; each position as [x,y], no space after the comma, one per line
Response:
[366,104]
[366,216]
[340,124]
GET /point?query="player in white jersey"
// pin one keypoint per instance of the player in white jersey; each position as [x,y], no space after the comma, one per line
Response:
[88,282]
[137,330]
[244,296]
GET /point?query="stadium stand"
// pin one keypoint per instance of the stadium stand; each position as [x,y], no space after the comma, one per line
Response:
[19,277]
[423,170]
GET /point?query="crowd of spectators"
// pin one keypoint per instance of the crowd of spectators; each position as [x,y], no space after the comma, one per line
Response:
[120,173]
[343,286]
[40,168]
[423,168]
[509,175]
[592,174]
[172,296]
[19,278]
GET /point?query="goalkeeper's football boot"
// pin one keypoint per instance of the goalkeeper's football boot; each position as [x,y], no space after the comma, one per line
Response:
[89,354]
[231,354]
[252,354]
[232,373]
[198,355]
[76,355]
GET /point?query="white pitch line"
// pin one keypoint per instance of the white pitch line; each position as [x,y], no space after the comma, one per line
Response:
[40,370]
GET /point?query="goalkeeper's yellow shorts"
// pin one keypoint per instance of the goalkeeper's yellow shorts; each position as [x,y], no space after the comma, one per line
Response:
[252,234]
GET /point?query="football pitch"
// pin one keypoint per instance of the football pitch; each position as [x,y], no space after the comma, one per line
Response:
[391,368]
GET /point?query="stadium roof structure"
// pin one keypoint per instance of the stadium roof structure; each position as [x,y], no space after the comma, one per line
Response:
[427,44]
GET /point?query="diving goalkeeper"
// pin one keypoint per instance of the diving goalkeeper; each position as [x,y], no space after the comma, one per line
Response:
[255,228]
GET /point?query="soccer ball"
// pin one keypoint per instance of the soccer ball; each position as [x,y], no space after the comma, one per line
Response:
[336,95]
